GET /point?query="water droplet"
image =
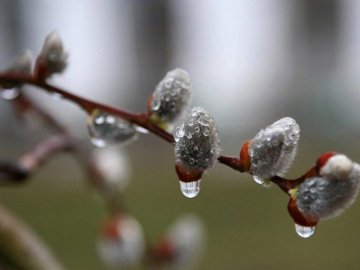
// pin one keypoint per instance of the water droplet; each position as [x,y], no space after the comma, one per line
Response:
[141,130]
[155,104]
[105,128]
[180,132]
[197,129]
[189,135]
[168,83]
[190,189]
[9,94]
[206,132]
[303,231]
[204,121]
[259,180]
[191,160]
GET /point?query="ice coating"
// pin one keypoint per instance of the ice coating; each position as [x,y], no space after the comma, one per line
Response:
[171,96]
[333,191]
[273,149]
[197,141]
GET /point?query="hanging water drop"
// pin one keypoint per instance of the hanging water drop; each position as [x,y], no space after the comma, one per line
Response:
[304,231]
[259,180]
[190,189]
[10,93]
[105,128]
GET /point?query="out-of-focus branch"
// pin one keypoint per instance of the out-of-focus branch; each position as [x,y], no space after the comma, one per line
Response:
[21,247]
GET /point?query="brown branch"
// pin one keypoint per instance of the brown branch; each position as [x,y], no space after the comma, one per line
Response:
[44,150]
[138,119]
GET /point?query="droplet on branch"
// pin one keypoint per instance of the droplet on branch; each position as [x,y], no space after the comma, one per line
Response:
[106,129]
[20,65]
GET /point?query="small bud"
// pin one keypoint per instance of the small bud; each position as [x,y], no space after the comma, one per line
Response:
[113,165]
[170,98]
[20,65]
[121,242]
[182,246]
[272,150]
[334,190]
[53,58]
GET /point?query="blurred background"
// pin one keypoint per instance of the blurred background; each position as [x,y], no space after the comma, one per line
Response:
[251,62]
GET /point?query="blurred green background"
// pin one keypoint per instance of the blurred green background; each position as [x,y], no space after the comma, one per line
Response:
[247,225]
[251,62]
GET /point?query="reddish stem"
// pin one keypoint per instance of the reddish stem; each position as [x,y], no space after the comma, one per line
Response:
[139,119]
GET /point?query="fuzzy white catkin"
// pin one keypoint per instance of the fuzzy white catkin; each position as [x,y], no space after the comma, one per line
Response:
[114,165]
[53,54]
[197,141]
[171,96]
[125,250]
[22,63]
[273,149]
[333,191]
[187,236]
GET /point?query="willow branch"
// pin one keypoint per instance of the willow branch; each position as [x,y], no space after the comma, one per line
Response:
[22,247]
[139,119]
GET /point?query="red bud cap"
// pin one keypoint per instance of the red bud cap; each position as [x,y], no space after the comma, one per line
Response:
[321,161]
[245,160]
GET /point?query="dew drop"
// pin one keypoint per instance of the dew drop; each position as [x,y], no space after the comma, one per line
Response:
[105,128]
[204,121]
[259,180]
[303,231]
[156,104]
[141,130]
[190,189]
[180,132]
[9,94]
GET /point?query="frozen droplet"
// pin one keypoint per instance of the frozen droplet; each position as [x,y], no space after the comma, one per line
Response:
[190,189]
[191,160]
[304,231]
[141,130]
[9,94]
[189,135]
[259,180]
[105,128]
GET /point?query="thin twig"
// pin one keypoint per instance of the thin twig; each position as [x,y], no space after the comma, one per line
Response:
[22,247]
